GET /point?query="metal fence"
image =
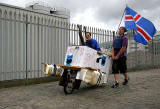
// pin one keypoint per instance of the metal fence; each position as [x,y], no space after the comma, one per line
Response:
[28,38]
[143,56]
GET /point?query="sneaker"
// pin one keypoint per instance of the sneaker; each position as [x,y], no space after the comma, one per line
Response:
[115,85]
[125,82]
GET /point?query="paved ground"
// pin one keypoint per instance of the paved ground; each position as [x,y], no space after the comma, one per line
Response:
[143,92]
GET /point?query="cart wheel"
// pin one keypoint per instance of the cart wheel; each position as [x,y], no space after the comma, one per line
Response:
[68,88]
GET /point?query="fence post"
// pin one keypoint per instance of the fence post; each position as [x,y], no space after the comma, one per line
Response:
[152,56]
[38,47]
[26,49]
[136,60]
[113,34]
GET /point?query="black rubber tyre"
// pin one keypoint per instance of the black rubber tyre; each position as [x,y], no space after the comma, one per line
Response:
[68,88]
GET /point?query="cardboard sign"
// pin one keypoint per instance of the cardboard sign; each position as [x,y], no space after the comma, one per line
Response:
[84,56]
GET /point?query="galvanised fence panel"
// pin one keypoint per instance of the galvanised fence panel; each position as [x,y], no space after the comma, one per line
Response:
[28,38]
[12,44]
[143,56]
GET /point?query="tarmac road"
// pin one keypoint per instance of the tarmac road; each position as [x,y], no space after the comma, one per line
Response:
[142,92]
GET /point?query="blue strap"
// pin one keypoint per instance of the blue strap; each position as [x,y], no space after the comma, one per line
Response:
[103,60]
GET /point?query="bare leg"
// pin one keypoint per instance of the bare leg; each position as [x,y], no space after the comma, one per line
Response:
[126,75]
[116,84]
[126,79]
[116,77]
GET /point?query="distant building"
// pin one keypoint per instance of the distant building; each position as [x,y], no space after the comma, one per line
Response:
[157,36]
[155,46]
[45,8]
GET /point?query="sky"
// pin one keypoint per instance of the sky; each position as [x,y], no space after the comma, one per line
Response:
[105,14]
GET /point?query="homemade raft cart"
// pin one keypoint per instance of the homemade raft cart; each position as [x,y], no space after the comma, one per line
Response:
[81,64]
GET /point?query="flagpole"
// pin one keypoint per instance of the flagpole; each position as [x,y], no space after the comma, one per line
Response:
[126,2]
[122,14]
[121,18]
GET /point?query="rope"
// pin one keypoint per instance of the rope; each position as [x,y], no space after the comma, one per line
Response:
[99,79]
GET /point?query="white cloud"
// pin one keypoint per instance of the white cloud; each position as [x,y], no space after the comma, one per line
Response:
[102,13]
[87,18]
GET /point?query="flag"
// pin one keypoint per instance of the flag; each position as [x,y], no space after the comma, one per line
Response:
[144,29]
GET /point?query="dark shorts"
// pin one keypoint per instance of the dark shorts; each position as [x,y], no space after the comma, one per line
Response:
[119,65]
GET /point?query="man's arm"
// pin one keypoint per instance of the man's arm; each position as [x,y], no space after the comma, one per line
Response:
[85,30]
[80,34]
[120,52]
[113,53]
[98,47]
